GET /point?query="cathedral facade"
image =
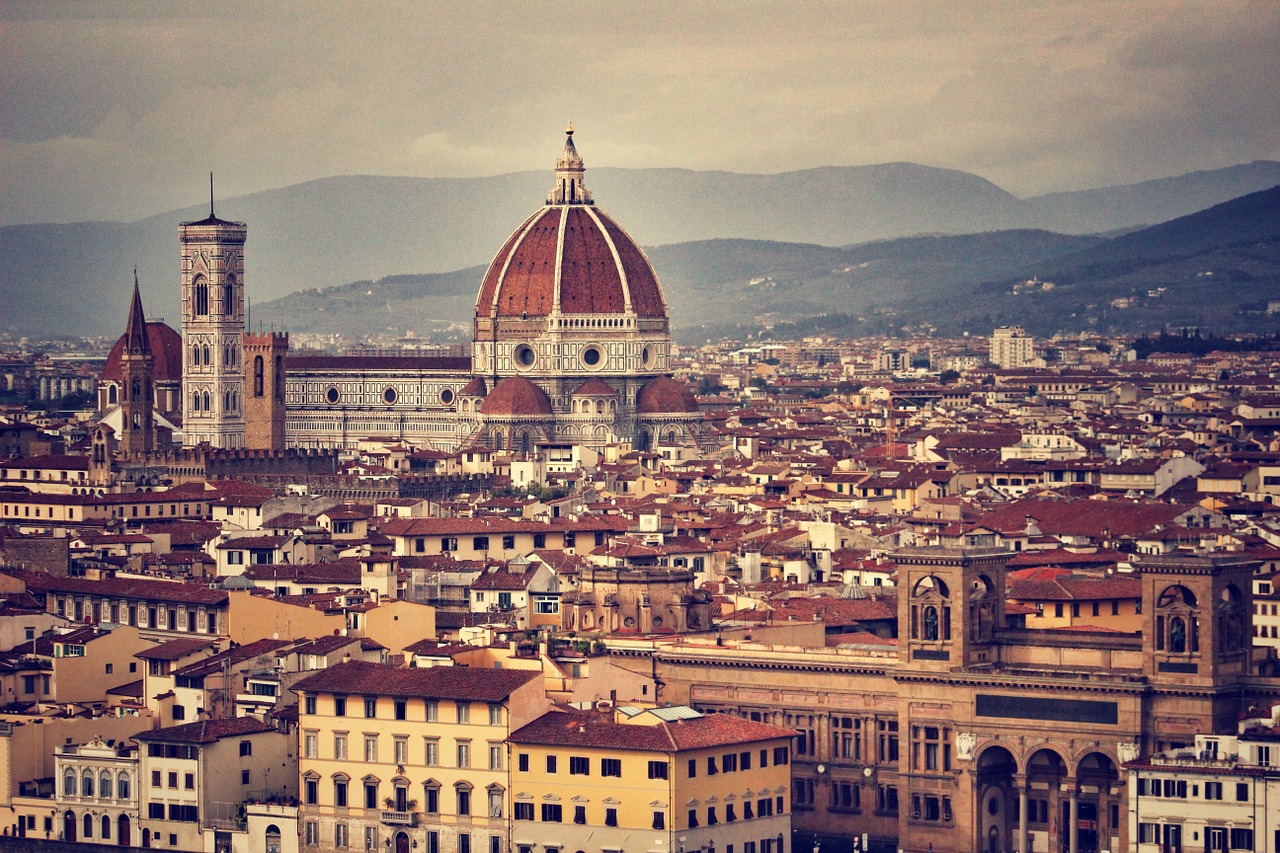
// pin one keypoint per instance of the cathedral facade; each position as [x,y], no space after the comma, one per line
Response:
[571,344]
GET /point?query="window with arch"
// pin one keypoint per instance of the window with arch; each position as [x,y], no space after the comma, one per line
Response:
[86,783]
[201,297]
[104,785]
[257,376]
[278,378]
[229,296]
[122,785]
[69,782]
[930,610]
[1233,625]
[205,402]
[88,826]
[112,397]
[204,354]
[106,826]
[1177,621]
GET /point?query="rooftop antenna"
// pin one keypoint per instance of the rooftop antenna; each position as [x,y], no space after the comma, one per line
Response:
[211,195]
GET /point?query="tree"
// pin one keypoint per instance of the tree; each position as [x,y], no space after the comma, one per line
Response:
[948,376]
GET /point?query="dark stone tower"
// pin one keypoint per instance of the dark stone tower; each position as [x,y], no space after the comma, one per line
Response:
[264,357]
[137,424]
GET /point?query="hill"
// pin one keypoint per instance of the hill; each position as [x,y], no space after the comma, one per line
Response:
[74,279]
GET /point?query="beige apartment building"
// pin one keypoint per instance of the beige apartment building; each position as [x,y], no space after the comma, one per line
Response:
[410,759]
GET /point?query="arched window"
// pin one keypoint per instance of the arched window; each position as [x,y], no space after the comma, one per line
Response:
[204,355]
[201,297]
[88,826]
[69,782]
[279,378]
[104,785]
[122,785]
[257,376]
[112,397]
[204,402]
[86,785]
[106,826]
[229,296]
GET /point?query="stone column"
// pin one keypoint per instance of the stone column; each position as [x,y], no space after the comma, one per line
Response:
[1073,829]
[1023,819]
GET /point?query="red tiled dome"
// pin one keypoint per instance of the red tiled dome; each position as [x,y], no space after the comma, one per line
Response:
[475,388]
[516,395]
[166,347]
[663,395]
[572,257]
[601,269]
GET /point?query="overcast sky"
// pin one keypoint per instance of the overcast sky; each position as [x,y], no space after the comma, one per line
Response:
[117,110]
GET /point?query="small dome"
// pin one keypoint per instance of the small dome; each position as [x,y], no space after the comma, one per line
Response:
[663,395]
[166,349]
[516,395]
[237,582]
[475,388]
[594,388]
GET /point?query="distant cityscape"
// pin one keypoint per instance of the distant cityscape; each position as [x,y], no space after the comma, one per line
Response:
[570,586]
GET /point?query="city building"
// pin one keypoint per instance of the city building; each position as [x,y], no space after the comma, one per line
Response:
[1011,347]
[657,779]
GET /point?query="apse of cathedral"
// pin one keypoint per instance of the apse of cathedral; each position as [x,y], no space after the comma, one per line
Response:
[571,344]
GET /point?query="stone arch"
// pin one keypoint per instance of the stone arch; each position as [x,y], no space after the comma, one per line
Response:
[997,796]
[1098,812]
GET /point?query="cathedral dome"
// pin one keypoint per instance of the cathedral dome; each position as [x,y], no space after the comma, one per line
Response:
[663,395]
[570,258]
[166,348]
[516,396]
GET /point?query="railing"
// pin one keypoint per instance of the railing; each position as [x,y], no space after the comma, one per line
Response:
[400,818]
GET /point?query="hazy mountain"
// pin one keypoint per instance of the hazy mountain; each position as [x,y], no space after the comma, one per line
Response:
[75,278]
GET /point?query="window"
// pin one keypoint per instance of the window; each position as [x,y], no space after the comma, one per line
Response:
[551,813]
[611,767]
[464,753]
[693,768]
[311,833]
[495,802]
[711,765]
[433,710]
[524,811]
[551,764]
[340,838]
[659,820]
[432,755]
[495,756]
[712,819]
[311,791]
[1241,839]
[122,786]
[155,780]
[449,543]
[464,712]
[1242,792]
[657,770]
[480,543]
[370,795]
[495,714]
[1212,790]
[729,763]
[371,749]
[310,748]
[781,754]
[579,765]
[402,709]
[464,800]
[744,761]
[610,817]
[339,706]
[340,746]
[246,748]
[464,842]
[340,793]
[173,779]
[508,542]
[522,762]
[432,793]
[309,704]
[930,748]
[370,706]
[401,747]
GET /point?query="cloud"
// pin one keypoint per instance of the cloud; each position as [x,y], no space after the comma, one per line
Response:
[114,111]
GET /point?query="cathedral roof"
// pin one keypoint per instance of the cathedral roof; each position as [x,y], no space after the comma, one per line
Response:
[570,258]
[516,395]
[165,345]
[594,387]
[663,395]
[475,388]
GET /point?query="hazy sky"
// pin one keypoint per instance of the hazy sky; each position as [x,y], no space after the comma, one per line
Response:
[118,110]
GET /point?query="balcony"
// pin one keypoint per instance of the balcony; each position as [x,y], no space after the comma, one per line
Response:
[400,818]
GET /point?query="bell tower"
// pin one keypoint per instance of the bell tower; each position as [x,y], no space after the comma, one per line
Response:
[950,606]
[137,391]
[212,330]
[264,359]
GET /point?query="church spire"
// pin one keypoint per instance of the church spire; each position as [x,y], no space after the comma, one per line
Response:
[569,188]
[135,332]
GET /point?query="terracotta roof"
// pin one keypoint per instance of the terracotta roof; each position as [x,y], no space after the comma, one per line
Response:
[206,731]
[598,264]
[175,649]
[593,729]
[664,395]
[136,588]
[166,349]
[475,388]
[516,395]
[594,387]
[442,682]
